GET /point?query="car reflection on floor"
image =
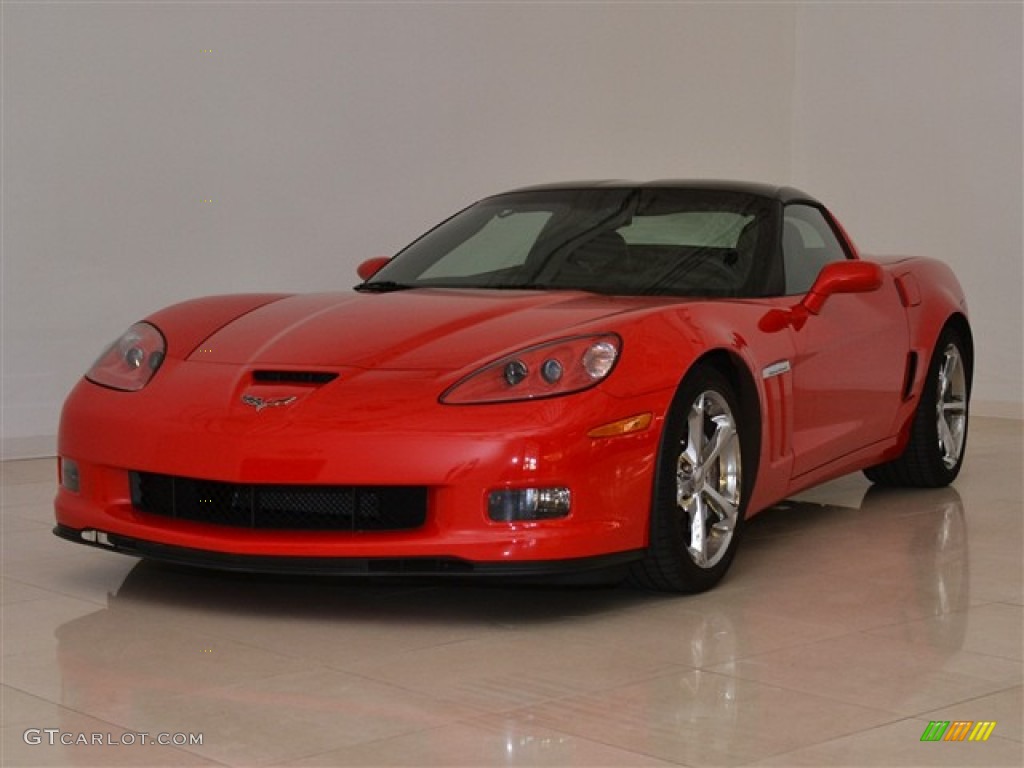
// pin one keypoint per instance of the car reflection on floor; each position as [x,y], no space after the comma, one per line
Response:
[159,646]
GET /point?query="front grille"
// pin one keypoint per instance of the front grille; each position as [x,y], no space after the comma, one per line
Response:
[281,507]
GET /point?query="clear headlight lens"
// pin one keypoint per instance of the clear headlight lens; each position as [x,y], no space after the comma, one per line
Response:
[130,362]
[548,370]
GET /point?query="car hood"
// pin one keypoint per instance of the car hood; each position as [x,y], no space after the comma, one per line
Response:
[423,329]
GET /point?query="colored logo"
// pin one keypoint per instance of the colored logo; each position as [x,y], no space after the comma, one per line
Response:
[958,730]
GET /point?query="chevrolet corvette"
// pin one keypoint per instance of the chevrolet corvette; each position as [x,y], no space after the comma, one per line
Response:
[572,379]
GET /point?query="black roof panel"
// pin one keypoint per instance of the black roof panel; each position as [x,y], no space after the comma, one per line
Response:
[783,194]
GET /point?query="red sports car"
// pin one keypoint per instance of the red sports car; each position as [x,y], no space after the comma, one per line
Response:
[566,379]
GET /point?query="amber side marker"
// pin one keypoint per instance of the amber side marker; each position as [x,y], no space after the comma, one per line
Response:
[637,423]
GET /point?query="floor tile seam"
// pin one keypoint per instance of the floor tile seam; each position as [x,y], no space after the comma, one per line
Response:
[983,603]
[933,710]
[314,660]
[479,721]
[399,655]
[53,594]
[579,734]
[397,687]
[926,715]
[872,633]
[1006,604]
[543,701]
[291,759]
[951,673]
[991,655]
[899,719]
[772,686]
[454,702]
[849,701]
[255,645]
[244,682]
[475,719]
[896,717]
[49,592]
[818,695]
[841,632]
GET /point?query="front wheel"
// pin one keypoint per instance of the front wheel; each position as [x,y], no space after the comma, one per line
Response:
[938,435]
[699,496]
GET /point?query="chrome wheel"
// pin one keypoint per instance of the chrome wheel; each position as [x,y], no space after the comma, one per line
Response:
[951,406]
[700,494]
[935,447]
[708,478]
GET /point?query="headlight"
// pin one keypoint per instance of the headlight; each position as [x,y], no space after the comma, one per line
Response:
[547,370]
[130,362]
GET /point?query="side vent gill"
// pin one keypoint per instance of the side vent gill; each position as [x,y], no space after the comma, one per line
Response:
[908,379]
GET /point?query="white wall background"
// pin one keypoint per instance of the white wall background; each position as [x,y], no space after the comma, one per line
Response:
[907,120]
[326,133]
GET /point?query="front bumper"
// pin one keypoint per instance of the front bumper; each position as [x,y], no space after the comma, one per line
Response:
[459,454]
[434,567]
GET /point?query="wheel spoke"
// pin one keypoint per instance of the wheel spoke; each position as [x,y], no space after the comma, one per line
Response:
[724,508]
[698,531]
[724,431]
[695,432]
[946,375]
[946,443]
[954,406]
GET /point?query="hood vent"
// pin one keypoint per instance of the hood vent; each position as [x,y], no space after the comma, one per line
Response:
[294,377]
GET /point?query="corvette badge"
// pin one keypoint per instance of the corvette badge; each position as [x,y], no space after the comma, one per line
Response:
[259,403]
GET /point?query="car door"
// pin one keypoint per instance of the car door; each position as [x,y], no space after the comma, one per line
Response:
[850,360]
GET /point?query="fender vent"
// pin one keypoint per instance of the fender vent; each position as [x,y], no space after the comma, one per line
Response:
[294,377]
[908,381]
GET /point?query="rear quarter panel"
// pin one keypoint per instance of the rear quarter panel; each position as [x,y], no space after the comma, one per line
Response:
[933,298]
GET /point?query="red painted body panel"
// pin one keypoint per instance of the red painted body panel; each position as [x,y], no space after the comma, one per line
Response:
[829,390]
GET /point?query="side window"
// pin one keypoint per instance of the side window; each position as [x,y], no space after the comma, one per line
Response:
[808,244]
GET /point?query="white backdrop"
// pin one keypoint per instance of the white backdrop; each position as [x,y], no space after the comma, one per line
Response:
[153,153]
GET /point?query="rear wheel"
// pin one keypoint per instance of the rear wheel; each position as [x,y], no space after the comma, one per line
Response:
[699,496]
[938,436]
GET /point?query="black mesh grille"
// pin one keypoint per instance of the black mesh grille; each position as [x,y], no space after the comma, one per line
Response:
[281,507]
[294,377]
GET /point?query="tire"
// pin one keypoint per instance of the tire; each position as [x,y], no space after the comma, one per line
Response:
[700,492]
[938,436]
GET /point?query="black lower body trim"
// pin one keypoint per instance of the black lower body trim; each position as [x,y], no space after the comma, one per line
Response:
[353,566]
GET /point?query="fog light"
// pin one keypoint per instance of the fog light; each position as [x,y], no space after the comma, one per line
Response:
[69,475]
[528,504]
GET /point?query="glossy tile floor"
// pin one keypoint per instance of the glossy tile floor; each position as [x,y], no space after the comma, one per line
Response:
[851,618]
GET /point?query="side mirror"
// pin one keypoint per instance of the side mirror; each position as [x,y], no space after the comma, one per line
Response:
[371,267]
[837,277]
[851,276]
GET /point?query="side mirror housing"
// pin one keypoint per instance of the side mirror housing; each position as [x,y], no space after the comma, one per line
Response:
[371,267]
[851,276]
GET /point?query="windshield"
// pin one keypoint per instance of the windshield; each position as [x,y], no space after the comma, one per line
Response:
[619,241]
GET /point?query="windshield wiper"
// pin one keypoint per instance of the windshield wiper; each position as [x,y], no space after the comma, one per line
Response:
[382,286]
[523,287]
